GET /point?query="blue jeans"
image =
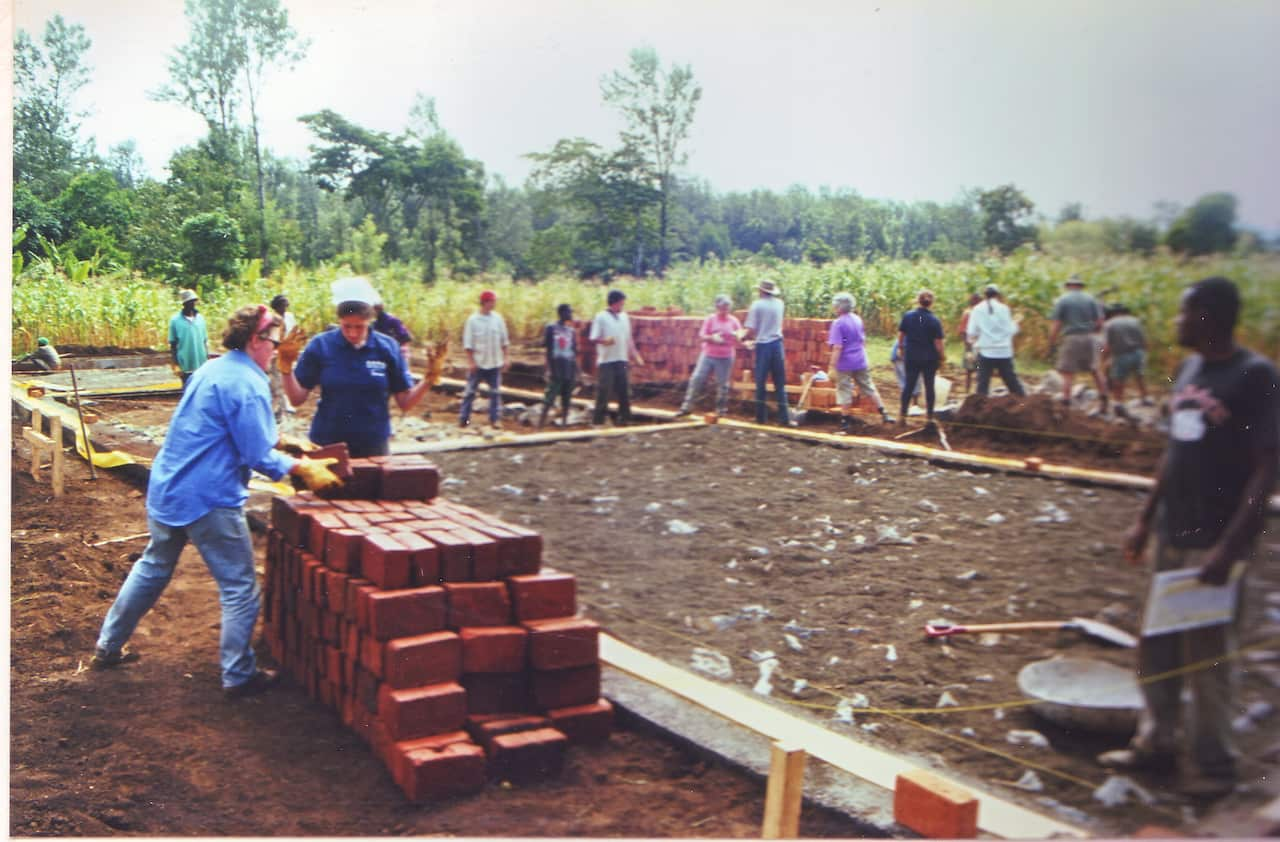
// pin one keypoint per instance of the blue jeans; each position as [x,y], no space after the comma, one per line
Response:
[222,537]
[718,366]
[771,362]
[492,376]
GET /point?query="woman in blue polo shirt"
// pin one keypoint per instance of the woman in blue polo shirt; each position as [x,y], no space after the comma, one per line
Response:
[357,370]
[920,336]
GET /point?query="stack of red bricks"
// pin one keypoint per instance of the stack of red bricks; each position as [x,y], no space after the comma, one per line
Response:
[430,628]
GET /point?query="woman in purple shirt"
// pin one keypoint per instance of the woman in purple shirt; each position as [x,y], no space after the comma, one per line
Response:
[849,359]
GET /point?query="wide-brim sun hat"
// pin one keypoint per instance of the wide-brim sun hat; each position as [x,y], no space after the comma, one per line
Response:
[187,295]
[769,288]
[1074,281]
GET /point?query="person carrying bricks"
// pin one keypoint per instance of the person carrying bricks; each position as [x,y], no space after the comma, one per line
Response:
[763,331]
[1206,513]
[719,335]
[357,370]
[615,347]
[222,430]
[560,340]
[484,337]
[848,362]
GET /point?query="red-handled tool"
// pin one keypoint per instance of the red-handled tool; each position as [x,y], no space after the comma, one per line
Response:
[1092,628]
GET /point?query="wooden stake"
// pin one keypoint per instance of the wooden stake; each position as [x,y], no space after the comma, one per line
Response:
[59,458]
[785,792]
[88,445]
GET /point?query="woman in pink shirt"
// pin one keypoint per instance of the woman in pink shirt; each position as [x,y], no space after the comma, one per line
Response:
[718,346]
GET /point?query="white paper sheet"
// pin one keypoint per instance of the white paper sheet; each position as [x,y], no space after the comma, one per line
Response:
[1178,601]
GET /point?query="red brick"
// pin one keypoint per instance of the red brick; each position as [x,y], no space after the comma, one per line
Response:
[366,479]
[477,604]
[566,688]
[320,524]
[436,742]
[425,659]
[455,555]
[336,591]
[494,648]
[584,724]
[406,613]
[342,550]
[329,627]
[485,726]
[543,596]
[353,594]
[422,711]
[933,807]
[457,769]
[367,687]
[526,557]
[384,561]
[362,594]
[424,559]
[338,450]
[371,655]
[286,518]
[563,643]
[409,480]
[497,692]
[527,755]
[484,554]
[355,520]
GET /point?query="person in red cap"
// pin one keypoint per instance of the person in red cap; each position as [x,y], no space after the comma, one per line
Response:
[484,337]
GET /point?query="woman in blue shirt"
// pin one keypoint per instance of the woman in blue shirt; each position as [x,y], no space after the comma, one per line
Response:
[357,370]
[221,431]
[920,336]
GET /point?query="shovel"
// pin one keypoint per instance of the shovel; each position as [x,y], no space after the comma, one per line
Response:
[1091,628]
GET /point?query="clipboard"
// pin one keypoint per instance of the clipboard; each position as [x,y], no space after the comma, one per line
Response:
[1178,601]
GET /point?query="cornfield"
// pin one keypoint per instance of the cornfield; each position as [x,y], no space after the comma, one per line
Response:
[125,311]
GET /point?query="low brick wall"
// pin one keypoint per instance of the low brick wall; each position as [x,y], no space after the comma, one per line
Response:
[429,627]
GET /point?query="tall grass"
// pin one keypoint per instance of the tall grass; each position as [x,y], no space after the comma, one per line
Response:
[129,311]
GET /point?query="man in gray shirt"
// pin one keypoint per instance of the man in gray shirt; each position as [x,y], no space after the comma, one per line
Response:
[1124,351]
[1076,317]
[764,323]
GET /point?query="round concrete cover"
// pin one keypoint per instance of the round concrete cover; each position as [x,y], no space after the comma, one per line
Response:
[1080,692]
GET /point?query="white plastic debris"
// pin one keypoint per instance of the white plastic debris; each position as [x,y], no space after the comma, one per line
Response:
[764,685]
[998,713]
[450,482]
[510,489]
[1026,738]
[518,459]
[722,621]
[653,507]
[914,604]
[927,506]
[968,732]
[996,518]
[793,643]
[608,498]
[1051,513]
[680,527]
[760,656]
[890,652]
[946,700]
[889,534]
[1118,789]
[844,712]
[795,470]
[799,630]
[871,727]
[980,491]
[860,700]
[758,551]
[833,660]
[985,677]
[1030,781]
[714,664]
[754,612]
[798,686]
[736,469]
[1068,813]
[968,576]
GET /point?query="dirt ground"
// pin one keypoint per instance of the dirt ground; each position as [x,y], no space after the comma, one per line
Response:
[153,748]
[795,549]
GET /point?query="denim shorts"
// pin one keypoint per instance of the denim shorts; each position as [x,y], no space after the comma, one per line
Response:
[1124,366]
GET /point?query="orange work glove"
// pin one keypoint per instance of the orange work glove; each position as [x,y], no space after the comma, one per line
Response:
[315,473]
[290,348]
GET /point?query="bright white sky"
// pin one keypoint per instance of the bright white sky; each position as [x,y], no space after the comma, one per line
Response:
[1112,103]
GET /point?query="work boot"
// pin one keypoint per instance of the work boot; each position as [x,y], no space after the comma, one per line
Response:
[262,680]
[844,426]
[102,659]
[1138,760]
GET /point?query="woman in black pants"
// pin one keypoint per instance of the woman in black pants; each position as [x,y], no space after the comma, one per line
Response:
[920,337]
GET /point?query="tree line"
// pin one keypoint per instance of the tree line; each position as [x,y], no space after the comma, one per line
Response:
[367,198]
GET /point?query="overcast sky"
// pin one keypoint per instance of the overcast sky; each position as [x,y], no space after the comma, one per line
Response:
[1115,104]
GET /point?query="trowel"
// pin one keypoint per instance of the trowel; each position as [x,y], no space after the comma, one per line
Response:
[1091,628]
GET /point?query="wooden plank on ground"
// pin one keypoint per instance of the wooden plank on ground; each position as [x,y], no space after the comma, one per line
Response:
[880,767]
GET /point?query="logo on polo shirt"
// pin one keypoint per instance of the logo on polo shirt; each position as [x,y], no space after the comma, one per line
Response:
[377,368]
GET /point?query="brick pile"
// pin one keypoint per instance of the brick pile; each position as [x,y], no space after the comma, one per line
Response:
[430,628]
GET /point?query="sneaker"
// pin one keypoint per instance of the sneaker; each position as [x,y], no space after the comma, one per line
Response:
[262,680]
[885,417]
[102,659]
[793,423]
[1137,760]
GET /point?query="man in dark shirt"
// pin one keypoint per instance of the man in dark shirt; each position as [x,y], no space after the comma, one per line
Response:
[1207,509]
[560,340]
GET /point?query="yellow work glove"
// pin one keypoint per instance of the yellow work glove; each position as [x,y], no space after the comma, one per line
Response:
[316,475]
[290,348]
[177,369]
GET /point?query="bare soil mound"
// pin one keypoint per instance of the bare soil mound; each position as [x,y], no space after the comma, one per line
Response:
[1039,425]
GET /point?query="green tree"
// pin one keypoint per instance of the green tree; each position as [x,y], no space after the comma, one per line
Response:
[231,46]
[213,244]
[46,79]
[1206,227]
[1004,211]
[658,107]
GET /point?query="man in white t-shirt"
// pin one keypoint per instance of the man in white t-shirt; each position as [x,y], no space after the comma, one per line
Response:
[990,332]
[484,337]
[611,336]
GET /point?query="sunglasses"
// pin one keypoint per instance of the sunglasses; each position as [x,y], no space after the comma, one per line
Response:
[275,343]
